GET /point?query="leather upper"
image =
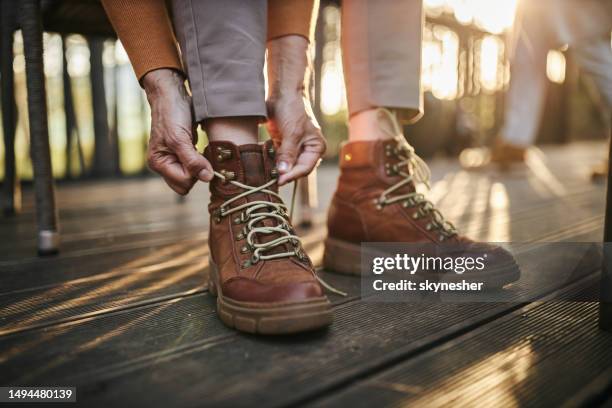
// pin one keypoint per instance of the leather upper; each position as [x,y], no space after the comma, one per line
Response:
[367,169]
[278,280]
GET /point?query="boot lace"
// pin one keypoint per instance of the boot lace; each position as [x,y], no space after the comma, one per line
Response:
[253,212]
[413,170]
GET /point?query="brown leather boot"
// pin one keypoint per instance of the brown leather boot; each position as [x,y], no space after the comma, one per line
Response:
[376,201]
[264,281]
[504,155]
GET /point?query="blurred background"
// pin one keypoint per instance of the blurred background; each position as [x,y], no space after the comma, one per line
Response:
[464,75]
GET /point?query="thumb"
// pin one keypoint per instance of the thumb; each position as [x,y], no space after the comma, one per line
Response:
[287,155]
[196,164]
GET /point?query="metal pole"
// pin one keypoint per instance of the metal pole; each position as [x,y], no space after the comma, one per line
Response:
[11,197]
[46,213]
[605,303]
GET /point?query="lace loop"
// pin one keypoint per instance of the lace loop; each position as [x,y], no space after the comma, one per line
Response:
[416,171]
[279,212]
[254,212]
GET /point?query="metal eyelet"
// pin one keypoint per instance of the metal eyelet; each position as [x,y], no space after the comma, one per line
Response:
[239,237]
[246,264]
[416,216]
[223,154]
[274,173]
[271,152]
[428,227]
[244,249]
[242,218]
[391,169]
[228,175]
[254,259]
[217,215]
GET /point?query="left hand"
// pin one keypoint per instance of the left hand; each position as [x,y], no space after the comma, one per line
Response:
[297,135]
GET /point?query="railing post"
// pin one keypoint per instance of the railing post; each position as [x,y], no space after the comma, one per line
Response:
[605,302]
[46,213]
[11,197]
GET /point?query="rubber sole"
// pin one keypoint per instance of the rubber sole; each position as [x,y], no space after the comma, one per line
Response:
[270,318]
[345,258]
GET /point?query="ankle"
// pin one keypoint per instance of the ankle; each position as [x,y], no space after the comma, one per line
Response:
[238,130]
[366,126]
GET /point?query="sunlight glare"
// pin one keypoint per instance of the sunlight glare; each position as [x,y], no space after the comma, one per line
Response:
[332,89]
[555,66]
[490,49]
[492,16]
[440,56]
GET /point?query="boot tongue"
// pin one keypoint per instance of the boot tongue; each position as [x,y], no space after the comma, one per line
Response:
[252,160]
[253,166]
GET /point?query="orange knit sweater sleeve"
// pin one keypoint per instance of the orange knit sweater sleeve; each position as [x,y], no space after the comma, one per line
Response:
[287,17]
[144,28]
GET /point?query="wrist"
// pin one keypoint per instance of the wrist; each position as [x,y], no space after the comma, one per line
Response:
[162,81]
[288,67]
[284,94]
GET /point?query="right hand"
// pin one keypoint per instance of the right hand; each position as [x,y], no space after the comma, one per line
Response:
[171,152]
[292,124]
[294,129]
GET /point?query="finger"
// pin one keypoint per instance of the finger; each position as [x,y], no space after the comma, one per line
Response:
[177,178]
[193,162]
[176,188]
[168,166]
[287,155]
[307,161]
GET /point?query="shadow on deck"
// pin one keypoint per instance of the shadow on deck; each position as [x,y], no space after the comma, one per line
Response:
[123,312]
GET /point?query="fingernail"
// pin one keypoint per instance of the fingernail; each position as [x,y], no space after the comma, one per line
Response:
[283,167]
[204,175]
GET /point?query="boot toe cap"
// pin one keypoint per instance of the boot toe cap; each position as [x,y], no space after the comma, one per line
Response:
[250,290]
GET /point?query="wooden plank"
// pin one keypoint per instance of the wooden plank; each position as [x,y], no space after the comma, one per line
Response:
[541,355]
[225,368]
[156,277]
[550,216]
[102,283]
[166,338]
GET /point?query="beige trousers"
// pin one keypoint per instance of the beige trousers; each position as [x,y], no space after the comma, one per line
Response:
[585,26]
[381,54]
[223,47]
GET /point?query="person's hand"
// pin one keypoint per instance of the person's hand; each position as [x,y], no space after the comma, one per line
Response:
[171,152]
[291,122]
[295,130]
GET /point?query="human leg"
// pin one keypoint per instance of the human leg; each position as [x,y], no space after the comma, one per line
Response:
[264,281]
[381,49]
[376,199]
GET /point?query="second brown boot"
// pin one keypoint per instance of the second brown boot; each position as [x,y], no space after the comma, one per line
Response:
[376,201]
[264,281]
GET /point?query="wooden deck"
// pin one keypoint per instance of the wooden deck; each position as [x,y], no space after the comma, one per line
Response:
[124,313]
